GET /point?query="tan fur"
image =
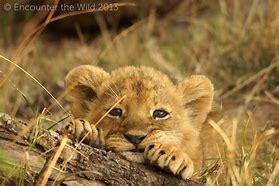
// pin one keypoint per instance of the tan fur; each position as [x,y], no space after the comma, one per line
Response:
[179,143]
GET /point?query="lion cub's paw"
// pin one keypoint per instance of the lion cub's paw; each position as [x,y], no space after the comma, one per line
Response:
[81,129]
[169,157]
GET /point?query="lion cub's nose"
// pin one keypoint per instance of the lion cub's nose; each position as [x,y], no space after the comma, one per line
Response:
[136,139]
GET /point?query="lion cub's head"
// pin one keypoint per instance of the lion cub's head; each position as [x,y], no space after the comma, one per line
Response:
[154,110]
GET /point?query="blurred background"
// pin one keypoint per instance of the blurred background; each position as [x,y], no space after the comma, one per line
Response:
[235,43]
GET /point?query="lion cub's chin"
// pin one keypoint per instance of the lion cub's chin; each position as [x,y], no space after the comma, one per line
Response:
[133,156]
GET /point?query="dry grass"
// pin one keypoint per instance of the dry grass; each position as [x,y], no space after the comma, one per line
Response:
[235,43]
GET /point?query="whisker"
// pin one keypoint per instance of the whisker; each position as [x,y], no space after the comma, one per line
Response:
[111,93]
[116,88]
[116,95]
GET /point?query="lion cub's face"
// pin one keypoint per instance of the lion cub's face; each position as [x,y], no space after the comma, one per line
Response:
[152,109]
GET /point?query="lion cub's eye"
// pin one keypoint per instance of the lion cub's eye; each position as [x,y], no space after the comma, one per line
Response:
[160,114]
[116,112]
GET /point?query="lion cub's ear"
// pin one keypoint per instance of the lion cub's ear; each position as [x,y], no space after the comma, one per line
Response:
[197,94]
[81,86]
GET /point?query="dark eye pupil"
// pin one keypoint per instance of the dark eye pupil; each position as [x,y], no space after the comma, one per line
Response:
[116,112]
[160,114]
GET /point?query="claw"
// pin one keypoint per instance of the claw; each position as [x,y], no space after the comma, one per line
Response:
[169,157]
[81,128]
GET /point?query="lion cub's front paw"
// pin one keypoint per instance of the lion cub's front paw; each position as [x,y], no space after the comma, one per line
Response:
[81,129]
[169,157]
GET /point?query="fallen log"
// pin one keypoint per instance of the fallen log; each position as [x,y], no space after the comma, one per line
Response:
[77,164]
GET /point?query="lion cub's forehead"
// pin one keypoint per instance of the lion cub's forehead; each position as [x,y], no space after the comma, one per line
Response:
[139,78]
[141,73]
[139,84]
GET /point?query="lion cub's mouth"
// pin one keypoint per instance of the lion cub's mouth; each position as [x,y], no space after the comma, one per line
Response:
[137,150]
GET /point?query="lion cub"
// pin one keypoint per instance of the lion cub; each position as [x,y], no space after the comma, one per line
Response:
[154,121]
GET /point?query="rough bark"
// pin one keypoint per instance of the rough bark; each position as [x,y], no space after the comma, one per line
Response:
[87,166]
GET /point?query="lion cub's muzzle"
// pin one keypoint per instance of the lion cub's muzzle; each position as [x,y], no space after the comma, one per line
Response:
[135,139]
[135,136]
